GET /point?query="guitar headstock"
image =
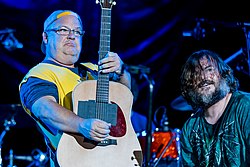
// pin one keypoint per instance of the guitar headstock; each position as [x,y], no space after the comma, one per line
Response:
[106,3]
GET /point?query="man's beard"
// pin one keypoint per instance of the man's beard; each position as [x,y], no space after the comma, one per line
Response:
[207,100]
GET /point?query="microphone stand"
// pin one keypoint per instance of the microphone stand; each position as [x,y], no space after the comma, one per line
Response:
[149,119]
[143,71]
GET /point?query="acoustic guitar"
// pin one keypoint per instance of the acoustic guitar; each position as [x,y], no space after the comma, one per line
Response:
[109,101]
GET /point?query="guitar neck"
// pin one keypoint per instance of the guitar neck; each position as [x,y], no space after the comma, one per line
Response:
[102,94]
[105,32]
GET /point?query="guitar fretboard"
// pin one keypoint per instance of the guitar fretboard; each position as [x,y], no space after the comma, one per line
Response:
[102,93]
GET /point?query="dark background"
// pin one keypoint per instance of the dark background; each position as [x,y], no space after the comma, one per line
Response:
[158,35]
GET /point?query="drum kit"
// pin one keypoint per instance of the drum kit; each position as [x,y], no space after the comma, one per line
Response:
[11,116]
[165,145]
[165,148]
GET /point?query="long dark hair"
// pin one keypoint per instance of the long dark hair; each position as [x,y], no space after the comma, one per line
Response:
[189,69]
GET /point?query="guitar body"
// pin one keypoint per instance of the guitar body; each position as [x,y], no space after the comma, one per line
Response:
[76,151]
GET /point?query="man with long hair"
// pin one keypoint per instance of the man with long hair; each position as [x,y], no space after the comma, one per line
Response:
[218,133]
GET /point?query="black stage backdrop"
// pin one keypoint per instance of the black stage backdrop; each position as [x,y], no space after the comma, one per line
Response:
[147,34]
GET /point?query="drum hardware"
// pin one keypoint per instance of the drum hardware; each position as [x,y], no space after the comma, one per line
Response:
[7,125]
[200,31]
[37,158]
[165,144]
[180,104]
[246,27]
[143,72]
[178,146]
[23,157]
[165,141]
[11,159]
[165,147]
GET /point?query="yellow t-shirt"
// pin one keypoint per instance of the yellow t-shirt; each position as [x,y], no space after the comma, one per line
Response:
[65,81]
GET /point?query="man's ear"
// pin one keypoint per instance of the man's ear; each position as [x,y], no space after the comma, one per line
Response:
[45,37]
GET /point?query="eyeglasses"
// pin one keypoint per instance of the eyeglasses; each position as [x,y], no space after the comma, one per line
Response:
[66,31]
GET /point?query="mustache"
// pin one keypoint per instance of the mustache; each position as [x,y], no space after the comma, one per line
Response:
[205,82]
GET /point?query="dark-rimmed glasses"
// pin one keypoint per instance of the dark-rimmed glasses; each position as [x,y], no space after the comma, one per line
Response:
[65,31]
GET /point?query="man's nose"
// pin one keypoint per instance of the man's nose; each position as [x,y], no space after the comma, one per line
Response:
[71,34]
[203,75]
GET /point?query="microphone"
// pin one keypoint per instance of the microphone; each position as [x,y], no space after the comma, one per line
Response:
[163,122]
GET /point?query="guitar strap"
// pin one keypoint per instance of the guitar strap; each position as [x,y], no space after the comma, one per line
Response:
[85,68]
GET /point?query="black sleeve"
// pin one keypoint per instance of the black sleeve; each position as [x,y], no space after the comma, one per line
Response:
[35,88]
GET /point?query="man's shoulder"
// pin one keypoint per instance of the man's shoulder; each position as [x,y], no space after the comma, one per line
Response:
[43,71]
[193,120]
[46,67]
[242,96]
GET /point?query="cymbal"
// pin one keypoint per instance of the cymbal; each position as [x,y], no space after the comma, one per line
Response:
[180,104]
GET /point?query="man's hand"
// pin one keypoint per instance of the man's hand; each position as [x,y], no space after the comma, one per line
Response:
[111,63]
[95,129]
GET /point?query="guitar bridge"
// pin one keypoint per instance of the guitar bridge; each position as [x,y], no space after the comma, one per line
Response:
[107,142]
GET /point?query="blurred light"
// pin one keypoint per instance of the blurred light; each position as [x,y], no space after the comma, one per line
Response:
[9,41]
[28,4]
[39,156]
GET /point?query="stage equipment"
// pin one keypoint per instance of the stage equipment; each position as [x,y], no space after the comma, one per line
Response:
[203,26]
[199,31]
[180,104]
[36,159]
[246,27]
[8,40]
[165,142]
[143,72]
[7,124]
[140,69]
[165,147]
